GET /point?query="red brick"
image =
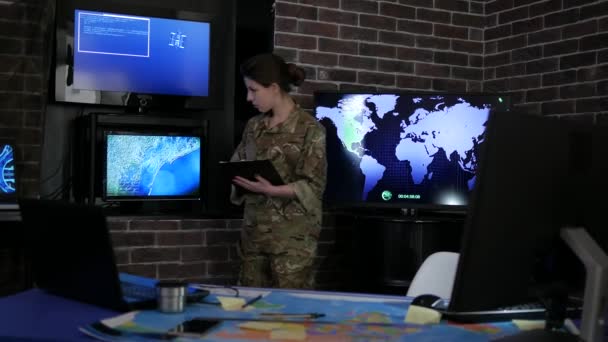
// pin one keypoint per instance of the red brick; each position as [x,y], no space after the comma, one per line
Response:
[449,85]
[322,3]
[338,17]
[432,15]
[321,59]
[378,22]
[318,29]
[366,6]
[415,54]
[356,33]
[398,11]
[433,70]
[365,77]
[139,255]
[414,26]
[377,50]
[450,31]
[295,41]
[338,46]
[154,224]
[297,11]
[357,62]
[396,38]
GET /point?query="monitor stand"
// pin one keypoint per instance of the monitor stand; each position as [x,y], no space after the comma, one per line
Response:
[595,297]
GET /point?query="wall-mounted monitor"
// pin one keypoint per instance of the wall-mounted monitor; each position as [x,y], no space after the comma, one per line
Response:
[136,56]
[405,150]
[146,165]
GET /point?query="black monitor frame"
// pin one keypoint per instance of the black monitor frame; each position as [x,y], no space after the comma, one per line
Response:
[63,59]
[403,207]
[153,131]
[527,191]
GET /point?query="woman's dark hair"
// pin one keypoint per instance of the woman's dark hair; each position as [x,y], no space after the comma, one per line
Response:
[268,68]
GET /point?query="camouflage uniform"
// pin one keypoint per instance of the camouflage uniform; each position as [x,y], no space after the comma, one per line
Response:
[279,236]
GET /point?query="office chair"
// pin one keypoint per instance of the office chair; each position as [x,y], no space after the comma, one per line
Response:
[435,275]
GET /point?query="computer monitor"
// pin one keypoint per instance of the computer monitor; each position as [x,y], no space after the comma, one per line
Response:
[535,176]
[516,207]
[141,165]
[411,150]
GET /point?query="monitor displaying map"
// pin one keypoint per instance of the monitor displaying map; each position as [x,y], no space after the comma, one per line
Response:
[141,166]
[407,150]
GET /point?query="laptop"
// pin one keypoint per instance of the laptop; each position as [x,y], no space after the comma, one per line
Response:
[72,256]
[8,176]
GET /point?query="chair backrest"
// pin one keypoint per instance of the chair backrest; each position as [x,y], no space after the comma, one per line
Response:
[435,275]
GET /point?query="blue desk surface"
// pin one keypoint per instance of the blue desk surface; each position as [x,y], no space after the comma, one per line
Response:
[34,315]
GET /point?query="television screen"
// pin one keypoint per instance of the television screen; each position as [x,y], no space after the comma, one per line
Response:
[127,53]
[140,166]
[138,55]
[407,150]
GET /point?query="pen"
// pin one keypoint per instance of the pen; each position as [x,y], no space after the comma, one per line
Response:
[251,301]
[293,315]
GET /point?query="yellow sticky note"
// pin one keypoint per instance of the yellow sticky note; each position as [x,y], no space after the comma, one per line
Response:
[292,332]
[421,315]
[526,324]
[231,303]
[261,326]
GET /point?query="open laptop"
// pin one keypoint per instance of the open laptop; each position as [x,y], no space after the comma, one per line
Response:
[72,256]
[8,176]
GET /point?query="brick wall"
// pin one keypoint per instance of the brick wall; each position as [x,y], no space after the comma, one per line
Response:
[24,43]
[204,250]
[383,45]
[552,56]
[25,28]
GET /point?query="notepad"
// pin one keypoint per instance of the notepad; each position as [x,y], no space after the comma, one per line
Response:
[250,168]
[231,303]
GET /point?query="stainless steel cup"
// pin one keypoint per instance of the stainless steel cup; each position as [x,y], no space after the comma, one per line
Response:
[171,296]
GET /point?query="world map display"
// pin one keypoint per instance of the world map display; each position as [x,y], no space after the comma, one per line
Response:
[397,148]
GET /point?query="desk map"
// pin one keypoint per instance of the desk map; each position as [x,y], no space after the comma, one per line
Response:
[347,318]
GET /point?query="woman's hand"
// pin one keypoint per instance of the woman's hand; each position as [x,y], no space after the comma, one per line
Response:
[260,185]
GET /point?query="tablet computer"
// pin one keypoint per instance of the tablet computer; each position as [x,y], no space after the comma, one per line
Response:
[250,168]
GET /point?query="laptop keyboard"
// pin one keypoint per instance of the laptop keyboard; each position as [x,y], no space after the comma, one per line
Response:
[138,292]
[532,311]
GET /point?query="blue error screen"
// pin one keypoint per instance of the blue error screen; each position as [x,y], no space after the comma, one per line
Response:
[118,52]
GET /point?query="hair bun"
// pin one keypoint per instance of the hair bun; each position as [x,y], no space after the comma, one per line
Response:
[296,74]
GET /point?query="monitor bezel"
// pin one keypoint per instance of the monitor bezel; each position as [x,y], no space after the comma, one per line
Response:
[143,131]
[64,28]
[406,207]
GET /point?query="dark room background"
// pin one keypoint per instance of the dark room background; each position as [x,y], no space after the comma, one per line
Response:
[550,56]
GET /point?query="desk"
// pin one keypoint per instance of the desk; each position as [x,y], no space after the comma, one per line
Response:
[36,315]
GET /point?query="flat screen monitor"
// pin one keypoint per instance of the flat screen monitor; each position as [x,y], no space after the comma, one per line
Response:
[135,56]
[407,150]
[537,175]
[8,180]
[143,165]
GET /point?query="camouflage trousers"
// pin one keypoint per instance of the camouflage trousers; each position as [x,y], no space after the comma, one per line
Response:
[278,263]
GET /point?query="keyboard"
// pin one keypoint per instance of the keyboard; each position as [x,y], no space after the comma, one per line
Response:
[137,292]
[532,311]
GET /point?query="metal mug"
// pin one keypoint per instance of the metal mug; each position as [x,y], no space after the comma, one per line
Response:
[171,296]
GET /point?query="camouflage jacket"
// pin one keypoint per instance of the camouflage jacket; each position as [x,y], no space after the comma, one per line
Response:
[296,148]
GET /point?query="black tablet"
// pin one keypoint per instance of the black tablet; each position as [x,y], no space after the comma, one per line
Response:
[250,168]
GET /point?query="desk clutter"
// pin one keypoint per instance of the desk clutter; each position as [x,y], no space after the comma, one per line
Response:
[283,315]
